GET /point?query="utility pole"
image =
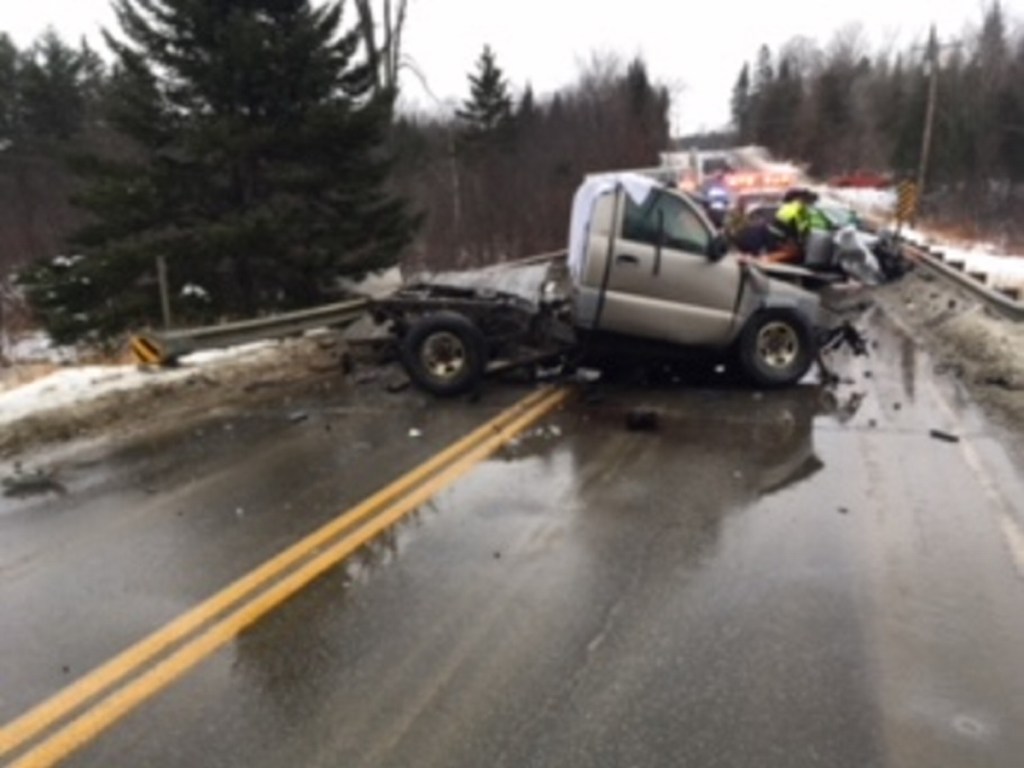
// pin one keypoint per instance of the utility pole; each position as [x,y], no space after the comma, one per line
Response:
[165,294]
[933,50]
[929,119]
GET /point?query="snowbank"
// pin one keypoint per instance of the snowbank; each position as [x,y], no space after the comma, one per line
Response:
[72,385]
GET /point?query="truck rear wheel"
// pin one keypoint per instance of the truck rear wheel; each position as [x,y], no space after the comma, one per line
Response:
[444,353]
[775,349]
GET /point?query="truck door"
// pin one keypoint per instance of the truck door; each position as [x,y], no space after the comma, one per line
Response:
[663,284]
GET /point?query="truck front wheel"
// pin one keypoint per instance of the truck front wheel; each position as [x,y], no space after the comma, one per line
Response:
[444,353]
[775,349]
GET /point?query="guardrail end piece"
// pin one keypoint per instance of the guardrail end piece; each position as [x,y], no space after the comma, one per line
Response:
[148,351]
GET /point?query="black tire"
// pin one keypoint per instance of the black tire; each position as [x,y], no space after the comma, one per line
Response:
[444,353]
[776,348]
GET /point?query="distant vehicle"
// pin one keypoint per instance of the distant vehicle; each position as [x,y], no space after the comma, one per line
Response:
[648,279]
[863,180]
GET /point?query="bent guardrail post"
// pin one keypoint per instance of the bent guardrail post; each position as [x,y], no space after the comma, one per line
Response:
[164,347]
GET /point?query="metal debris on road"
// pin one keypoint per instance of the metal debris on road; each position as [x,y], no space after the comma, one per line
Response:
[947,437]
[32,483]
[641,420]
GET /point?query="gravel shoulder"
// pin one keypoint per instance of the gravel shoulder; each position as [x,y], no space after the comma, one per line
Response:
[982,351]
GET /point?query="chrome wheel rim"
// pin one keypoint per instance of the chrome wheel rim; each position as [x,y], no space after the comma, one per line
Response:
[443,355]
[778,345]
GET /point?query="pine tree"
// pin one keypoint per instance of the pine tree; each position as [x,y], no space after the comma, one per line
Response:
[52,102]
[259,173]
[10,111]
[740,104]
[764,79]
[488,110]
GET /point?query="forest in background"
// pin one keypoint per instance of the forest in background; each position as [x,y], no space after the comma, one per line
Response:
[92,172]
[846,107]
[490,180]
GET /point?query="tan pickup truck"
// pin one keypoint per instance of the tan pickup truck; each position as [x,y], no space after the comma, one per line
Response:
[648,278]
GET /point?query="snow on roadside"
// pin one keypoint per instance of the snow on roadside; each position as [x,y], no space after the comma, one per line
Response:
[72,385]
[879,202]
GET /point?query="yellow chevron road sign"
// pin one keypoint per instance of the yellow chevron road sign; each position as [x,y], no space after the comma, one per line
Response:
[906,201]
[146,351]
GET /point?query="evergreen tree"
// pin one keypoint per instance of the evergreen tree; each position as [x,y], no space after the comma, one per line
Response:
[10,110]
[258,173]
[52,98]
[760,100]
[740,104]
[488,110]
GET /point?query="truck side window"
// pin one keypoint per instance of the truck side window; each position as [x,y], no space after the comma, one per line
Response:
[684,231]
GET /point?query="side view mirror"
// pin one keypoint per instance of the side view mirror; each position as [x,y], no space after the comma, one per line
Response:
[718,247]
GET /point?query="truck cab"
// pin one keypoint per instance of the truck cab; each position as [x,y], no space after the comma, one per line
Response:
[647,266]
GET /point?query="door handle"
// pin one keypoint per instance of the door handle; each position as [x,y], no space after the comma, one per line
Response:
[625,258]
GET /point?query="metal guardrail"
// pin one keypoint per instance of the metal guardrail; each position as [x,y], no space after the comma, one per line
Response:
[164,347]
[934,259]
[999,302]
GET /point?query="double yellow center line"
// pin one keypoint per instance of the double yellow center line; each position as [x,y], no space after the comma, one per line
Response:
[164,656]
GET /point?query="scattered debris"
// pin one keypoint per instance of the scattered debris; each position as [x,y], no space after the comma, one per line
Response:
[253,386]
[415,433]
[998,380]
[587,375]
[947,437]
[367,376]
[843,511]
[298,416]
[34,483]
[641,420]
[398,385]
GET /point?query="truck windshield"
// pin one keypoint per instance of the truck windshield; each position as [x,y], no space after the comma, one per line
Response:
[683,228]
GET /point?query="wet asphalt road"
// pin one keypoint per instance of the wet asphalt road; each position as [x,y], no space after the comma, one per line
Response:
[801,578]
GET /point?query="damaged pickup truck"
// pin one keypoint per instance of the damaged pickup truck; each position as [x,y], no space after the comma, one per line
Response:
[647,280]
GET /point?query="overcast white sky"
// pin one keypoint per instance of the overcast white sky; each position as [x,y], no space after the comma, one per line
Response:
[697,48]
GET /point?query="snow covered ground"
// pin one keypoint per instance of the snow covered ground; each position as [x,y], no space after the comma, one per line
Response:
[68,385]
